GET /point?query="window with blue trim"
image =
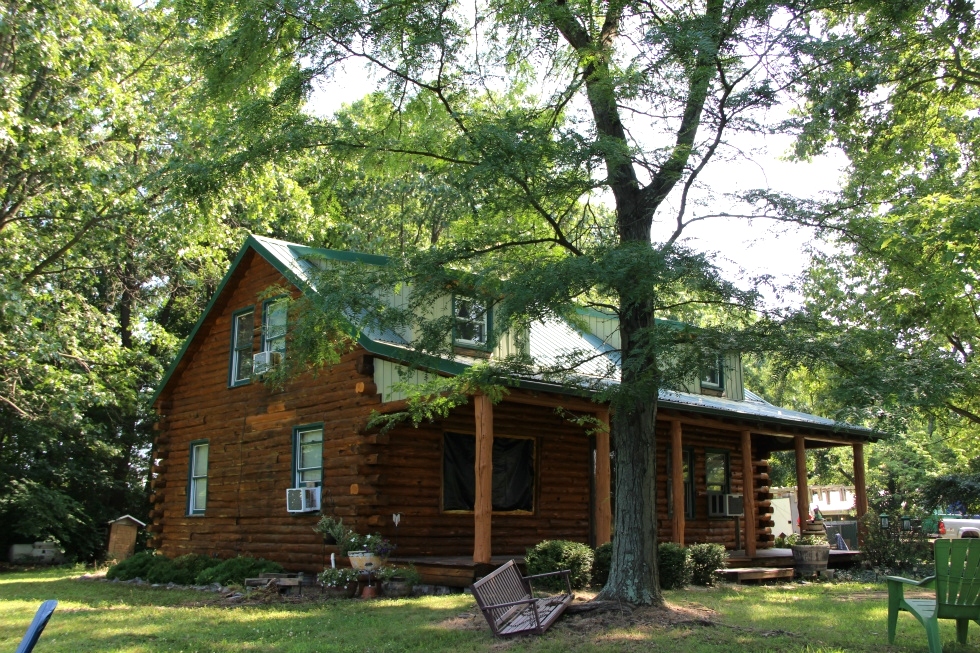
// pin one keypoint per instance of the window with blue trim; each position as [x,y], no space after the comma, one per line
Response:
[197,485]
[308,455]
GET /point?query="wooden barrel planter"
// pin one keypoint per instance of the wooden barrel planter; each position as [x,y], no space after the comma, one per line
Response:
[809,560]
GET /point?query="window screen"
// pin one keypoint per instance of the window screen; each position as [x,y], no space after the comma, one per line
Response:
[513,473]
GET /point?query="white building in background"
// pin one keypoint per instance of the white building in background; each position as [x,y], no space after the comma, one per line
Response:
[835,502]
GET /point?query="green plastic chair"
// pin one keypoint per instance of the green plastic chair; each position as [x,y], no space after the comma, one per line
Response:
[957,583]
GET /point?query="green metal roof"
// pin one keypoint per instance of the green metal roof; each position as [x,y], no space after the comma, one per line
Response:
[548,342]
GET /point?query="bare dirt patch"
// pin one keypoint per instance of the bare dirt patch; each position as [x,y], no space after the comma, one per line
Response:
[585,619]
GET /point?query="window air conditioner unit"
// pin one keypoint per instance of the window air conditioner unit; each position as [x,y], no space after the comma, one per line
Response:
[725,505]
[302,499]
[264,361]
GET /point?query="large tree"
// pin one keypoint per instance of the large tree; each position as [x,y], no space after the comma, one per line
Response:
[898,293]
[105,262]
[570,129]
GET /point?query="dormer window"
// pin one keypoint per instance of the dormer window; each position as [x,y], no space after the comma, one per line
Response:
[712,376]
[472,323]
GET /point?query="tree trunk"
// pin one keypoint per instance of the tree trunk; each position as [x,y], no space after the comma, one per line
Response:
[633,573]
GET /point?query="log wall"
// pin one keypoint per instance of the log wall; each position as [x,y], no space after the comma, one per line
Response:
[249,431]
[412,485]
[367,476]
[701,528]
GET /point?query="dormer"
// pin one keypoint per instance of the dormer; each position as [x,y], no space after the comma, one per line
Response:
[723,379]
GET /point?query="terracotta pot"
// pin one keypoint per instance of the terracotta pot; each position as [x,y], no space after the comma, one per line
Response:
[369,592]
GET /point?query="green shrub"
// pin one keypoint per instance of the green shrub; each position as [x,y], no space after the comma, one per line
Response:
[705,559]
[188,567]
[136,566]
[601,561]
[236,570]
[556,555]
[156,568]
[674,565]
[893,550]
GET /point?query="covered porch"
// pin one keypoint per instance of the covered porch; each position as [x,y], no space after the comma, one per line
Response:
[748,440]
[757,440]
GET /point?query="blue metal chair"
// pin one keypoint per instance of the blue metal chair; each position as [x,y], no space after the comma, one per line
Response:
[33,633]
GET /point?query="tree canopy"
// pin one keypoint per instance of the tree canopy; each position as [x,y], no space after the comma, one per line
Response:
[567,130]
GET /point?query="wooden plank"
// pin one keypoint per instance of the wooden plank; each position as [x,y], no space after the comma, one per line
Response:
[748,494]
[603,502]
[483,506]
[742,574]
[802,491]
[677,481]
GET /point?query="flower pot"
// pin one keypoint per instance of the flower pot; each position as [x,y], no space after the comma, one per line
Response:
[346,592]
[369,592]
[810,559]
[364,560]
[396,588]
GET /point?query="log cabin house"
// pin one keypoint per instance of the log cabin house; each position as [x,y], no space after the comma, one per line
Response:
[486,482]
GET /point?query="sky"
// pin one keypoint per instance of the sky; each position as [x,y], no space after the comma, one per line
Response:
[745,249]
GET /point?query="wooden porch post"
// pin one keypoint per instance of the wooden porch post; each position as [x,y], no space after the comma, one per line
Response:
[860,488]
[802,491]
[483,500]
[748,494]
[677,481]
[603,507]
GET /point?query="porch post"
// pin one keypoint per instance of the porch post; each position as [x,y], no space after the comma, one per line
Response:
[802,491]
[860,488]
[483,499]
[677,481]
[603,508]
[748,494]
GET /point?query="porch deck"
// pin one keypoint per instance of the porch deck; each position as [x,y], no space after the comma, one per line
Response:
[454,571]
[784,558]
[461,571]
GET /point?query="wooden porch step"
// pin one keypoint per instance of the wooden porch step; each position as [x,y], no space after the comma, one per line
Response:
[743,574]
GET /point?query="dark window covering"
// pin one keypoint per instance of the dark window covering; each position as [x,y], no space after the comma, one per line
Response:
[513,473]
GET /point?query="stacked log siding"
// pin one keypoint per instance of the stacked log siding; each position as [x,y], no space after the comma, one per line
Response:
[368,476]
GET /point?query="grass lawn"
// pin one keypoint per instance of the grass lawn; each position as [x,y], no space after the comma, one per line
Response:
[94,616]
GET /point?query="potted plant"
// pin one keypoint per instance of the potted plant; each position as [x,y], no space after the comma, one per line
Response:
[397,582]
[810,556]
[340,583]
[345,539]
[373,554]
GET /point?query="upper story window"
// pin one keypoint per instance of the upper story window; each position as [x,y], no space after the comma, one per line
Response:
[197,490]
[242,328]
[308,455]
[472,322]
[712,375]
[274,325]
